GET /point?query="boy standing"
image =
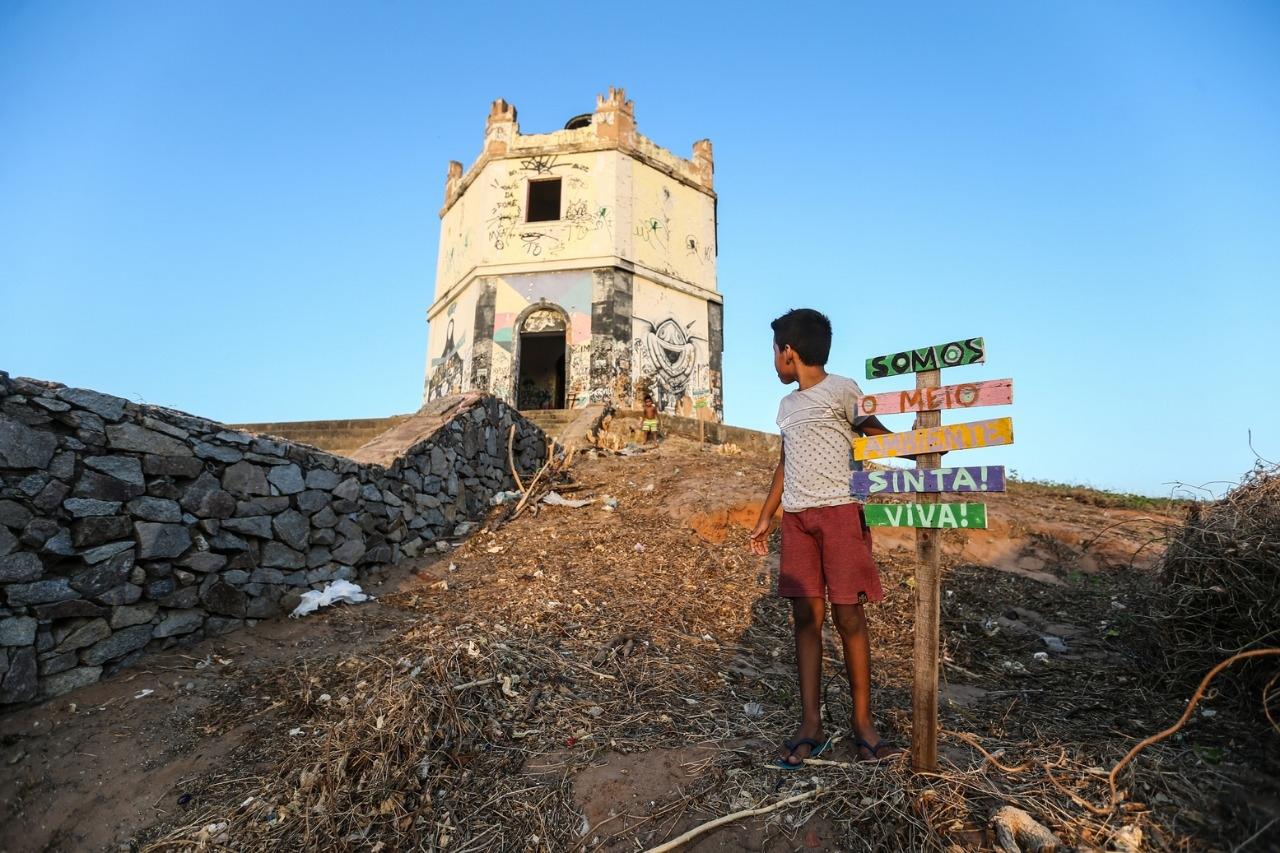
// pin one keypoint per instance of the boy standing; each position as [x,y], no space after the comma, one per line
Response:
[650,423]
[826,544]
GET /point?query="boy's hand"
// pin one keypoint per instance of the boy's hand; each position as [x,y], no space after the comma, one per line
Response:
[760,537]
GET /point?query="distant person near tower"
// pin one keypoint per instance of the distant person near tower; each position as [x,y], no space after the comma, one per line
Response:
[650,423]
[826,544]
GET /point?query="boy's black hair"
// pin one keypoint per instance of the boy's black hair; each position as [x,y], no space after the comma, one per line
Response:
[807,331]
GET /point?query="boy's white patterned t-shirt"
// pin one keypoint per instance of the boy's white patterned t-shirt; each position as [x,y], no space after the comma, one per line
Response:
[818,428]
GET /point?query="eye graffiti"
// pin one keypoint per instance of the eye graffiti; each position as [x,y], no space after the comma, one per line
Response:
[668,356]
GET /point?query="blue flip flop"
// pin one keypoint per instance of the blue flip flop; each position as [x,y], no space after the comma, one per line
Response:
[815,749]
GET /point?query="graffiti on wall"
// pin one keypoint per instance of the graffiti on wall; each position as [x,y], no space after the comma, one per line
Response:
[655,231]
[543,320]
[445,374]
[566,291]
[667,354]
[672,227]
[696,251]
[547,164]
[583,220]
[505,225]
[505,214]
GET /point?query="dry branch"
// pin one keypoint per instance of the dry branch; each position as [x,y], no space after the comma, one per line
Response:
[511,458]
[685,838]
[1186,715]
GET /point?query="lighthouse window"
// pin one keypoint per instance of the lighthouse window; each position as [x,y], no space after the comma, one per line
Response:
[544,200]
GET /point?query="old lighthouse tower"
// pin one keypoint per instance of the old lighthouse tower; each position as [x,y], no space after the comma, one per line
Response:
[578,266]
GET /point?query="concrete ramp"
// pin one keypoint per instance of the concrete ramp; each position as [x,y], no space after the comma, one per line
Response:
[337,436]
[386,447]
[566,426]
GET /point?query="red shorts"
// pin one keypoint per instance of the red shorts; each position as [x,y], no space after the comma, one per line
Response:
[827,550]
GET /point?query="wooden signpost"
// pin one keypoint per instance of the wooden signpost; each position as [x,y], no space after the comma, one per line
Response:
[926,442]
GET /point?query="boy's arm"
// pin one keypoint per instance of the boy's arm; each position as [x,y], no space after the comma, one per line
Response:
[760,534]
[872,426]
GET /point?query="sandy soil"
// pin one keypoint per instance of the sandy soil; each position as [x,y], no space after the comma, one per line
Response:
[86,771]
[112,765]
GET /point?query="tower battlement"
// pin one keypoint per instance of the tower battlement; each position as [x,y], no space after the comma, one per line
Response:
[611,126]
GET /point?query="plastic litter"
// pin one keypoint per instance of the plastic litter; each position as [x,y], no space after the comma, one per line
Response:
[500,498]
[214,833]
[556,499]
[753,710]
[333,593]
[1055,644]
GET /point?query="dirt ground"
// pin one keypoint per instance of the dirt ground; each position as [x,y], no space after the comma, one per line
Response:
[595,679]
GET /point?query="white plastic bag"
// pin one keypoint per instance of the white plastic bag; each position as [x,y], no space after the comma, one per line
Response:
[337,591]
[556,499]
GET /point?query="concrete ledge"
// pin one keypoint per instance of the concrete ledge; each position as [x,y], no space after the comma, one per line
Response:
[715,432]
[337,436]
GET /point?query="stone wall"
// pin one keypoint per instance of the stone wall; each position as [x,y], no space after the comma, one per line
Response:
[128,528]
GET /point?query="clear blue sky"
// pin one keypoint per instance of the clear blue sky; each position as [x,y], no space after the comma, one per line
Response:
[231,207]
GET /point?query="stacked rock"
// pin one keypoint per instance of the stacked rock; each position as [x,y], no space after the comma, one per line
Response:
[127,528]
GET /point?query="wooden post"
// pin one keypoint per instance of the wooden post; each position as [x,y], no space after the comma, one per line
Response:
[924,684]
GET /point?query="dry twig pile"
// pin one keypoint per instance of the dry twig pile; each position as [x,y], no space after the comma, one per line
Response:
[1221,584]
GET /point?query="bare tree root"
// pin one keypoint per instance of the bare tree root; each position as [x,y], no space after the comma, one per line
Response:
[1186,715]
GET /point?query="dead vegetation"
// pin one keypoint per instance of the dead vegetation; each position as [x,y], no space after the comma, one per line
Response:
[1221,587]
[554,643]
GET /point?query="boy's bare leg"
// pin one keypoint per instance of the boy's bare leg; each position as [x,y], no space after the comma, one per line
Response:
[851,622]
[808,614]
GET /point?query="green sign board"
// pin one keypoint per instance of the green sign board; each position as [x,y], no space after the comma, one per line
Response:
[968,516]
[954,354]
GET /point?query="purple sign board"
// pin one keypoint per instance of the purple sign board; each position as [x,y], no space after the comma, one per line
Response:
[897,481]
